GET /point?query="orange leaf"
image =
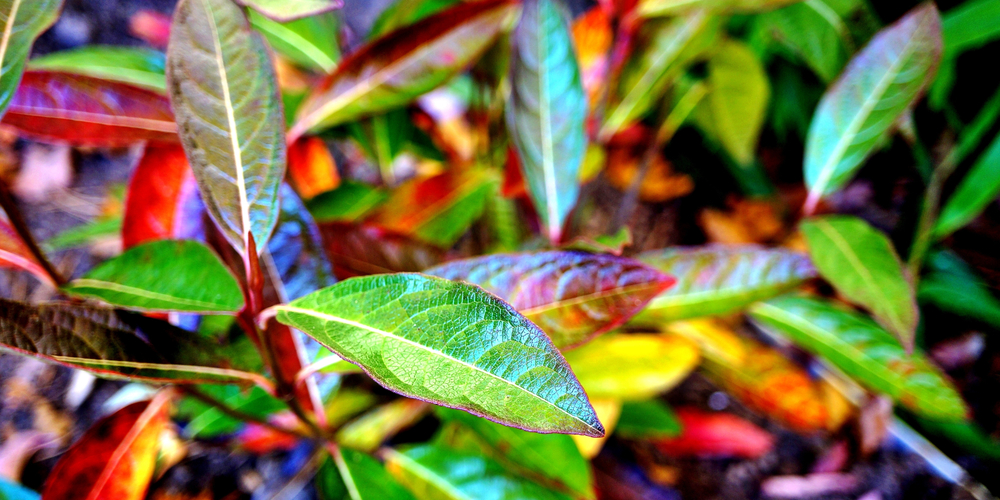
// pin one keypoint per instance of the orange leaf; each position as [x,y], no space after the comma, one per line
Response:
[659,184]
[311,169]
[592,36]
[162,200]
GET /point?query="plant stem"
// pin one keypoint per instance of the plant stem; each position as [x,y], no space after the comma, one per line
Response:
[234,413]
[17,221]
[929,213]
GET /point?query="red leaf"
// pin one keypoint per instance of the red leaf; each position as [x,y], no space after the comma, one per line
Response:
[13,253]
[311,169]
[150,26]
[114,460]
[360,250]
[259,439]
[87,111]
[709,434]
[162,200]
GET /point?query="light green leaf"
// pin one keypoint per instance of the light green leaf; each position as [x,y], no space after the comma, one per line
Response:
[547,112]
[310,42]
[21,21]
[223,91]
[650,419]
[206,421]
[861,263]
[863,350]
[165,275]
[977,190]
[737,97]
[365,478]
[348,203]
[880,83]
[370,430]
[652,8]
[449,343]
[290,10]
[135,65]
[85,234]
[970,25]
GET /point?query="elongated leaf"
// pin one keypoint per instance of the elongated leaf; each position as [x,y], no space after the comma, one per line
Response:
[115,459]
[396,69]
[633,367]
[206,421]
[647,419]
[863,350]
[738,96]
[365,478]
[716,435]
[652,8]
[375,427]
[953,286]
[547,111]
[572,296]
[405,12]
[14,253]
[311,42]
[815,31]
[553,458]
[88,111]
[223,89]
[970,25]
[437,210]
[164,275]
[718,280]
[348,203]
[94,232]
[133,65]
[360,250]
[114,344]
[290,10]
[162,200]
[879,84]
[437,473]
[862,265]
[978,189]
[21,21]
[450,344]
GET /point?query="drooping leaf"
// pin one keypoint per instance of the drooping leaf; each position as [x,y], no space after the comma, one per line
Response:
[310,42]
[290,10]
[861,263]
[348,203]
[553,458]
[879,84]
[115,344]
[296,251]
[652,8]
[951,285]
[311,168]
[647,419]
[360,250]
[977,190]
[370,430]
[206,421]
[168,275]
[114,460]
[21,21]
[863,350]
[450,344]
[628,367]
[88,111]
[737,97]
[162,200]
[14,253]
[223,90]
[397,68]
[572,296]
[365,478]
[716,435]
[718,280]
[815,31]
[438,209]
[547,112]
[133,65]
[435,473]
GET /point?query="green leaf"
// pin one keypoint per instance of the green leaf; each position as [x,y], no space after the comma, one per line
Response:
[348,203]
[815,31]
[547,112]
[880,83]
[633,367]
[397,68]
[977,190]
[970,25]
[163,275]
[953,286]
[116,344]
[652,8]
[365,478]
[861,263]
[550,457]
[650,419]
[223,91]
[310,42]
[205,421]
[717,280]
[84,234]
[436,473]
[448,343]
[290,10]
[863,350]
[737,97]
[375,427]
[134,65]
[21,21]
[406,12]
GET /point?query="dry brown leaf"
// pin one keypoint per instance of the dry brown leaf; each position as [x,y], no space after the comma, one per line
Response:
[659,184]
[746,221]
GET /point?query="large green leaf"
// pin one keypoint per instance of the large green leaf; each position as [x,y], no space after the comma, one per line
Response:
[290,10]
[547,112]
[223,91]
[951,285]
[399,67]
[165,275]
[21,21]
[718,280]
[436,473]
[650,8]
[862,265]
[451,344]
[977,190]
[737,97]
[879,84]
[552,457]
[134,65]
[572,296]
[365,478]
[310,42]
[863,350]
[115,344]
[970,25]
[815,31]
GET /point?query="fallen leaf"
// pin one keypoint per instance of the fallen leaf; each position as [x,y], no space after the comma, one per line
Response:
[716,435]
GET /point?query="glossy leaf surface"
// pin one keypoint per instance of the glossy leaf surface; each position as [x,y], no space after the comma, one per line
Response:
[863,350]
[717,280]
[88,111]
[571,296]
[878,85]
[114,460]
[162,200]
[14,253]
[166,275]
[114,344]
[979,187]
[289,10]
[436,473]
[738,96]
[633,367]
[397,68]
[21,21]
[448,343]
[862,265]
[133,65]
[223,90]
[310,42]
[360,250]
[647,419]
[547,112]
[365,478]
